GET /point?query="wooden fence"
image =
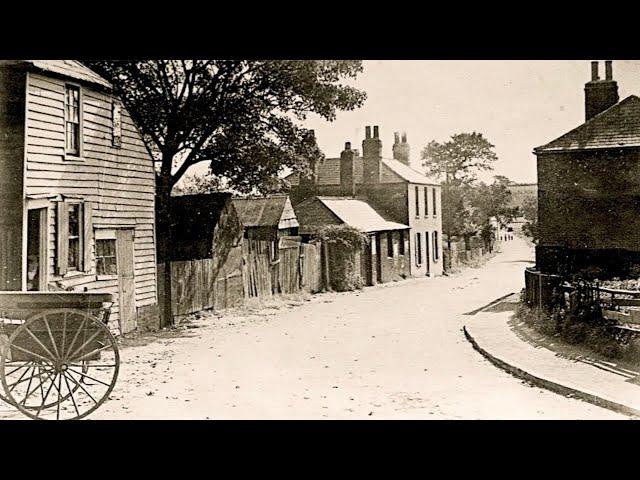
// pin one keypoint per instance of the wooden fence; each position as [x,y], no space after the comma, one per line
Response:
[541,290]
[197,285]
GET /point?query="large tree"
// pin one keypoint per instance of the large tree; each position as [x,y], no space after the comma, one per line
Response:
[243,117]
[456,164]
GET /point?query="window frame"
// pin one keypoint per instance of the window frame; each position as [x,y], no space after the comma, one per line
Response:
[435,246]
[417,201]
[426,201]
[71,156]
[80,237]
[102,234]
[435,201]
[418,249]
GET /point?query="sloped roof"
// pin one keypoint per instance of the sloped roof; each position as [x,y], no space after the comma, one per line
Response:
[328,172]
[265,211]
[71,69]
[616,127]
[359,214]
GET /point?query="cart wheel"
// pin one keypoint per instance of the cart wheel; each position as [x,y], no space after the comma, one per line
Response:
[60,364]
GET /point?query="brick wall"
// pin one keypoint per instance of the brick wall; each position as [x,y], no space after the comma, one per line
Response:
[588,205]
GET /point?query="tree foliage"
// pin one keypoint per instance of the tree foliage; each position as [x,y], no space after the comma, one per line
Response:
[459,159]
[456,164]
[241,116]
[530,214]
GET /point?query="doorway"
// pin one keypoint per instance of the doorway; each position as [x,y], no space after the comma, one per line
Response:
[37,222]
[427,263]
[126,280]
[378,259]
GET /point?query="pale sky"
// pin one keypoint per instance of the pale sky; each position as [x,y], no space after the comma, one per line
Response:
[517,105]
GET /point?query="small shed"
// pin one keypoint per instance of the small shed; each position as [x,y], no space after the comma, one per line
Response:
[267,219]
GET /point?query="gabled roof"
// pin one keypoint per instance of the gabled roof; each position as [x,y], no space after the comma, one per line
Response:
[271,211]
[616,127]
[70,68]
[328,172]
[359,214]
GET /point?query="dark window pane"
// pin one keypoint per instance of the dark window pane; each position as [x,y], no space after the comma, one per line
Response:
[106,257]
[74,253]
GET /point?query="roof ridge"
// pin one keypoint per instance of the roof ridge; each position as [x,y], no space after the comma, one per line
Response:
[590,121]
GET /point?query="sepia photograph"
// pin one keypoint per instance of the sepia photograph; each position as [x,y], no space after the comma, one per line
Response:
[305,239]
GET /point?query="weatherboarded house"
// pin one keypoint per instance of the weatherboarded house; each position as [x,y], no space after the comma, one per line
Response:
[589,188]
[76,190]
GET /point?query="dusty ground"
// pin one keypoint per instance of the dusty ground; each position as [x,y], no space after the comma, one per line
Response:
[386,352]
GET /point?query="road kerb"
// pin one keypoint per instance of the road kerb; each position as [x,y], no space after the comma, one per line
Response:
[548,384]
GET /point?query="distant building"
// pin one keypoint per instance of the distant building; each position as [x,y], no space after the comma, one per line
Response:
[386,258]
[589,186]
[391,187]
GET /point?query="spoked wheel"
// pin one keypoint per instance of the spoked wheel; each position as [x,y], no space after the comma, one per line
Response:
[60,364]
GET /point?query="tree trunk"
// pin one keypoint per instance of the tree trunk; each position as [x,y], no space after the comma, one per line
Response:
[163,238]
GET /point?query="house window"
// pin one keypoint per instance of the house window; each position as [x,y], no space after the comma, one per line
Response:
[426,201]
[434,201]
[435,246]
[417,201]
[106,263]
[401,243]
[72,120]
[75,247]
[418,249]
[390,244]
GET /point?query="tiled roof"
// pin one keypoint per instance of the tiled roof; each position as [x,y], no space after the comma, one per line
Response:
[359,214]
[328,172]
[264,211]
[71,69]
[618,126]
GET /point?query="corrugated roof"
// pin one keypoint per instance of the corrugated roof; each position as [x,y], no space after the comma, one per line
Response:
[616,127]
[359,214]
[263,211]
[328,172]
[71,69]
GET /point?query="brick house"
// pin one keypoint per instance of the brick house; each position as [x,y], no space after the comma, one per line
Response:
[77,190]
[391,187]
[386,258]
[589,187]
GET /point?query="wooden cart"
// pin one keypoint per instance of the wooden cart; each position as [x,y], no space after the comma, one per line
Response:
[58,359]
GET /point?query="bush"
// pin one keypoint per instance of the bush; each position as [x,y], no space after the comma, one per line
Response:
[343,242]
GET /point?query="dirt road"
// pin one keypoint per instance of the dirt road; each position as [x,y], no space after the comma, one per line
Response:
[386,352]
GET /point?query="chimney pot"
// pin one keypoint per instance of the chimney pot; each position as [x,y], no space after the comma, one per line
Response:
[608,70]
[347,146]
[396,137]
[367,132]
[404,137]
[594,71]
[376,133]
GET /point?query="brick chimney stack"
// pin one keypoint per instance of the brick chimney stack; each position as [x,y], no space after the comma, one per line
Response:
[401,150]
[600,94]
[347,180]
[371,156]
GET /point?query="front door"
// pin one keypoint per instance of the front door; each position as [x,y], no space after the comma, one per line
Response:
[378,259]
[126,280]
[427,262]
[37,249]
